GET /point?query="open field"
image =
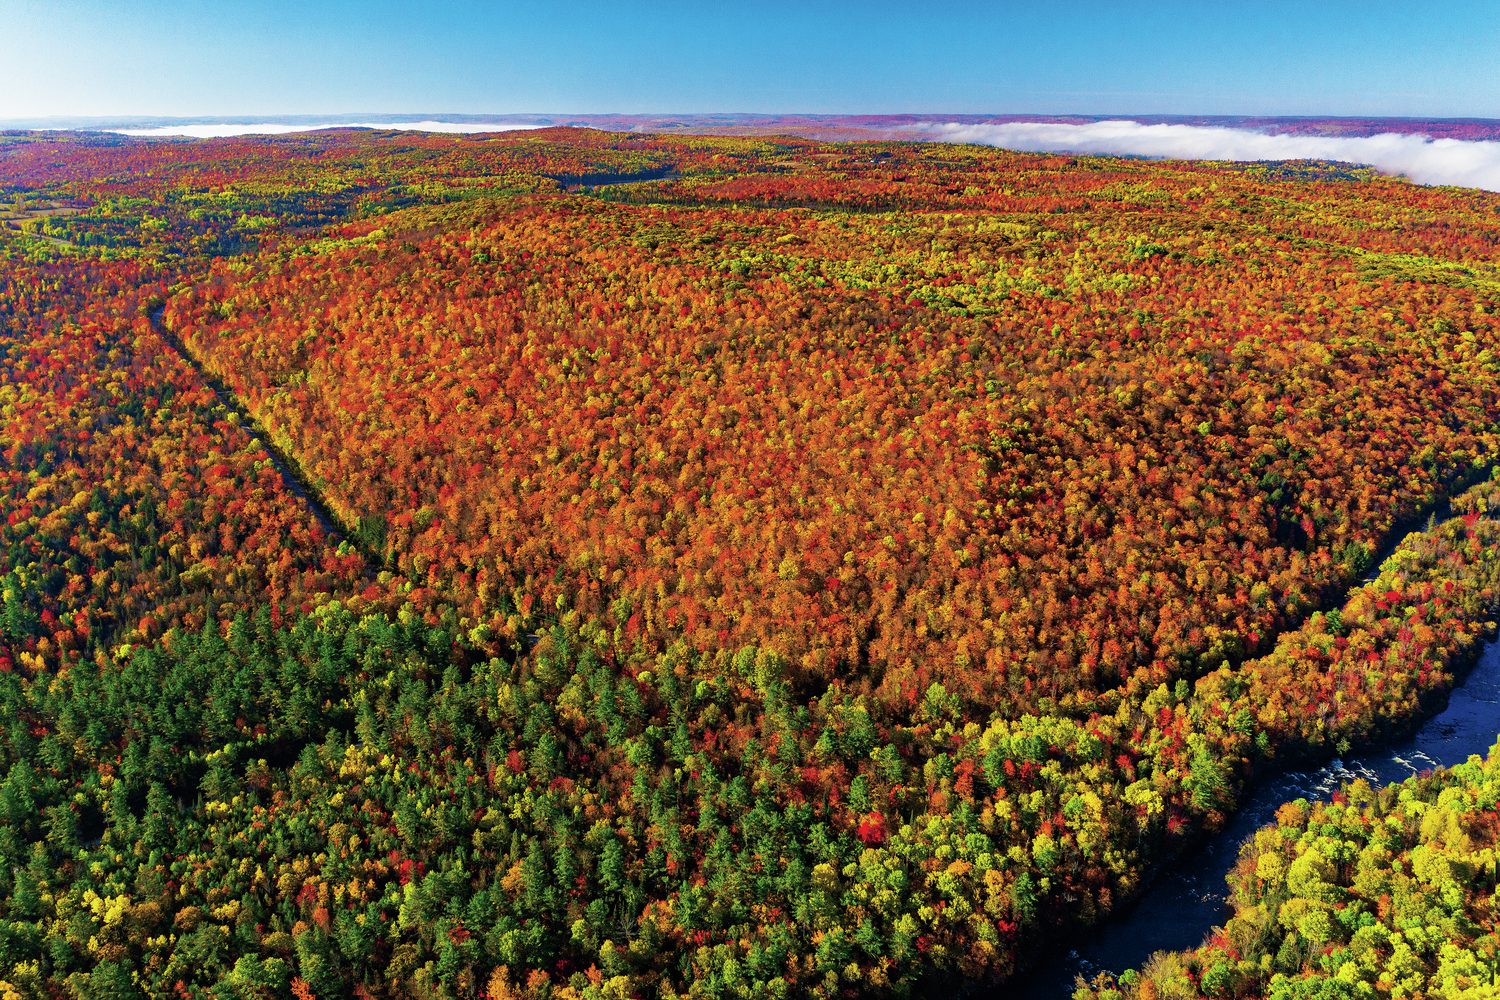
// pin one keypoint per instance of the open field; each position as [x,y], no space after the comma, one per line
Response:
[17,219]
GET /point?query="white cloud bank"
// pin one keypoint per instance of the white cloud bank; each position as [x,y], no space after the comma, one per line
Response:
[232,129]
[1427,161]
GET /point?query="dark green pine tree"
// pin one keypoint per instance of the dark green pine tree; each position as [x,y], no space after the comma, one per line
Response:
[160,811]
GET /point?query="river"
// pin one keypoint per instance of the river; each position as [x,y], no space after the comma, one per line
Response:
[1188,897]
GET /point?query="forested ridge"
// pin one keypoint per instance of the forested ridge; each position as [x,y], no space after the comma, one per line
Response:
[826,569]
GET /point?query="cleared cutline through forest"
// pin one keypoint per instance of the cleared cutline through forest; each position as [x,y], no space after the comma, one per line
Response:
[290,470]
[286,465]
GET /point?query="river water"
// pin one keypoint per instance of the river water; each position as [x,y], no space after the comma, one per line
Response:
[1188,898]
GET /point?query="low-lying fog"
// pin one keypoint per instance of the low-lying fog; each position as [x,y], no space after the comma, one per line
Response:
[1425,160]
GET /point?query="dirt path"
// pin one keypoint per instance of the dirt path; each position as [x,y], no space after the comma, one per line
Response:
[15,220]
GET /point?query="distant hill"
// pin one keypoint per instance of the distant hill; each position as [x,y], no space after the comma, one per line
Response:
[824,127]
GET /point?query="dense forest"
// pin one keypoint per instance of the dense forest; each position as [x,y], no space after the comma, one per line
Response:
[583,565]
[1385,891]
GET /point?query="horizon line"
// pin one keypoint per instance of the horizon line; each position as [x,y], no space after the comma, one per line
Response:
[266,118]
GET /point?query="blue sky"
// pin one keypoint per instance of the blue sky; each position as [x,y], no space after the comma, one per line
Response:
[194,57]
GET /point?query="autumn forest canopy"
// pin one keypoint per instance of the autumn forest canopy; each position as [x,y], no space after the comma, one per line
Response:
[593,565]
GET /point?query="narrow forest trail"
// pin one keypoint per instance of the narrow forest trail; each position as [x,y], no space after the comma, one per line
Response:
[293,476]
